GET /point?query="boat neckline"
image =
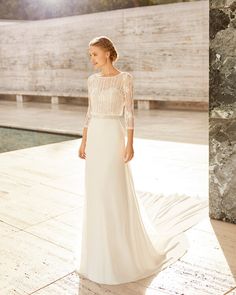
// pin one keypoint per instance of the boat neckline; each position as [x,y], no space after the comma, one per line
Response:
[98,75]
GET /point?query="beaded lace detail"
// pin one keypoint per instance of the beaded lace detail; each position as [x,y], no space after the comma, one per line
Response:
[111,95]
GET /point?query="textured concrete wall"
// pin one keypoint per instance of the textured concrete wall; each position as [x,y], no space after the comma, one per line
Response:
[35,10]
[164,46]
[223,110]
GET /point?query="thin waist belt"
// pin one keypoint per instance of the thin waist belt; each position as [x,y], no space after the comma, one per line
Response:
[106,116]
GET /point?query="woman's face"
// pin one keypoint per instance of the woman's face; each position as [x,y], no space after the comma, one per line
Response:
[98,56]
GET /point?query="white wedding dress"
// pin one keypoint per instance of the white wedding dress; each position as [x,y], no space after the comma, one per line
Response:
[124,237]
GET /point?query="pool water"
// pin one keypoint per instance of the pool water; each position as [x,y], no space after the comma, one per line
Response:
[17,138]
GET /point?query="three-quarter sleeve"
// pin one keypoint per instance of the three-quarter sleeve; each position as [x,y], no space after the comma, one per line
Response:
[88,114]
[128,102]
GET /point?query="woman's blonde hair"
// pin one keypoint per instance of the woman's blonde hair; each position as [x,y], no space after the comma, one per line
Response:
[106,44]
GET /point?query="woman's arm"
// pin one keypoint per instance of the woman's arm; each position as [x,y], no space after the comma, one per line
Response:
[129,116]
[82,153]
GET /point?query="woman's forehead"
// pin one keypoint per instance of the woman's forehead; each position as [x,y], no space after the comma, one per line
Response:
[93,48]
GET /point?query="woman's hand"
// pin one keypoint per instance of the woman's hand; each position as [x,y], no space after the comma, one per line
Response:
[81,152]
[128,153]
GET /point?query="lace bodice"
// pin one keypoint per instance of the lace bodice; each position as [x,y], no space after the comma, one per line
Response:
[111,96]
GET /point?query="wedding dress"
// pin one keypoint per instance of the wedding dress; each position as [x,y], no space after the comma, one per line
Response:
[124,237]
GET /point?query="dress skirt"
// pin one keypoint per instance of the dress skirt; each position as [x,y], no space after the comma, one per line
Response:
[126,238]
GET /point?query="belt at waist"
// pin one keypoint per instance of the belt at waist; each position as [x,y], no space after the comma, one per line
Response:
[106,116]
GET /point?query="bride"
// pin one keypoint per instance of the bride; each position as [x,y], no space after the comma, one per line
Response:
[121,242]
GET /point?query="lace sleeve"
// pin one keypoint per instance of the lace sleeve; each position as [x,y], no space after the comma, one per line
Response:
[88,114]
[128,102]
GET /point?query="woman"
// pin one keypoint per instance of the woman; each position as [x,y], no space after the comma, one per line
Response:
[119,243]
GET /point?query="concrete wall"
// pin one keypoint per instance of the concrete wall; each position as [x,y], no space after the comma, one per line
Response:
[35,10]
[165,47]
[222,121]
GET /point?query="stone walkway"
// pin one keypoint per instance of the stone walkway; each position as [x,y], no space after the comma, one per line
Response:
[41,193]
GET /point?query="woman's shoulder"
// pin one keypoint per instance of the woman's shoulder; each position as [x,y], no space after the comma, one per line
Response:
[127,75]
[90,77]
